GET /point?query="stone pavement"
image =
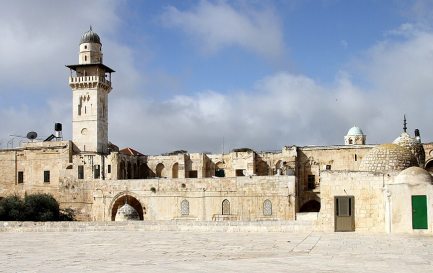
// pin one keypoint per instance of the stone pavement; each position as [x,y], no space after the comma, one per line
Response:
[172,251]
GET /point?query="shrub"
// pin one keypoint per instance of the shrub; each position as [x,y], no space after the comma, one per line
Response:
[12,208]
[41,207]
[34,207]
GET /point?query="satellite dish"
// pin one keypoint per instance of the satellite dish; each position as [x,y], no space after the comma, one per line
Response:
[32,135]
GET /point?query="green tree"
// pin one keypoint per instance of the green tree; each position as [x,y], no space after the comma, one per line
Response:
[41,207]
[12,208]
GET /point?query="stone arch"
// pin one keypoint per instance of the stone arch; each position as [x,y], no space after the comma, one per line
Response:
[175,170]
[310,206]
[429,166]
[159,170]
[225,207]
[122,198]
[220,169]
[278,170]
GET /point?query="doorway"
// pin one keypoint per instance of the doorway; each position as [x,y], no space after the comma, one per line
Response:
[344,213]
[419,212]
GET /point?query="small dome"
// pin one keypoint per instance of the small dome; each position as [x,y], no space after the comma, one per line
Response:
[414,176]
[355,131]
[126,213]
[404,140]
[388,157]
[90,37]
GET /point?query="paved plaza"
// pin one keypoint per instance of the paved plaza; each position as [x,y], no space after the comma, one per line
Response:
[169,251]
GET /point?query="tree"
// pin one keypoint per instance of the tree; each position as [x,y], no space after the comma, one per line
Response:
[34,207]
[41,207]
[12,208]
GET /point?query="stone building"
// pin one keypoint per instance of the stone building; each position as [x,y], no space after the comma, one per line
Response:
[354,186]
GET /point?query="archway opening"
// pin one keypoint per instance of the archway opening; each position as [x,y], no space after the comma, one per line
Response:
[310,206]
[130,200]
[429,166]
[159,170]
[175,171]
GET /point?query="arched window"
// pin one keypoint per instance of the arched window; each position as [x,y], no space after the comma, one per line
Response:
[184,208]
[267,208]
[226,207]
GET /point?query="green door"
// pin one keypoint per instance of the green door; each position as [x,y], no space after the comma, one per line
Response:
[419,212]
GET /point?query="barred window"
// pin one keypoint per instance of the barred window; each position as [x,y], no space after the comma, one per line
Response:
[184,208]
[226,207]
[267,208]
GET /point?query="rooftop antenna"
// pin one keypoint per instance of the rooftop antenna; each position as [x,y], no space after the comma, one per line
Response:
[404,123]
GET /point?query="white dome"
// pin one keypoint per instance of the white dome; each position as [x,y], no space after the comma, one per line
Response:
[414,176]
[355,131]
[126,213]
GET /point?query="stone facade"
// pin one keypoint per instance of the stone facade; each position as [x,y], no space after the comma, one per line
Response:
[103,183]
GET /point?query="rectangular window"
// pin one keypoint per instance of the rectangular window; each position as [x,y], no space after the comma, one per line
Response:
[328,167]
[20,177]
[192,174]
[311,182]
[240,172]
[46,176]
[109,168]
[97,171]
[80,172]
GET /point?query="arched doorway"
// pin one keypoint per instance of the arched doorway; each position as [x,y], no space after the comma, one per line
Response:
[310,206]
[175,171]
[159,170]
[126,199]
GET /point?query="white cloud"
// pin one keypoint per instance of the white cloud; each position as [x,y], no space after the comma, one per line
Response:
[215,26]
[285,109]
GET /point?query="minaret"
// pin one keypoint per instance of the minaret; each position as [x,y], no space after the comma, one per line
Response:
[90,81]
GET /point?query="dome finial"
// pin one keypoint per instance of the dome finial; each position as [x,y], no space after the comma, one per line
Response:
[90,27]
[404,123]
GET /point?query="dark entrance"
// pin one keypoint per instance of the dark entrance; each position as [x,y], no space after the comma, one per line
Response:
[344,213]
[419,212]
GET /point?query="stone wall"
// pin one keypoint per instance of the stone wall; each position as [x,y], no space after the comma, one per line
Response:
[160,199]
[367,189]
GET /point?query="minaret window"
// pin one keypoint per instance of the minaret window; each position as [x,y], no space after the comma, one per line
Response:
[85,47]
[85,58]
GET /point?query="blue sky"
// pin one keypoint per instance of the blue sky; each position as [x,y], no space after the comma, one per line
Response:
[260,74]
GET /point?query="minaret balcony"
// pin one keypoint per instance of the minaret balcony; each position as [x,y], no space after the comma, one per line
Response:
[89,82]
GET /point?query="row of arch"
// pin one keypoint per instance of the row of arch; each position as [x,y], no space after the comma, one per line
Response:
[128,170]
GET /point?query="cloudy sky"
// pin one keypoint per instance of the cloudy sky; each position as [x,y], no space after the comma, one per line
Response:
[190,74]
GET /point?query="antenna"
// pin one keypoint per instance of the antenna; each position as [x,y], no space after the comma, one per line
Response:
[32,135]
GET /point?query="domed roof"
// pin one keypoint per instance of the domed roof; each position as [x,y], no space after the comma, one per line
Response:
[413,145]
[414,176]
[127,212]
[355,131]
[90,37]
[388,157]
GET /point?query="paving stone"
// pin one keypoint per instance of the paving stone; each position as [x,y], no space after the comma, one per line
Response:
[177,251]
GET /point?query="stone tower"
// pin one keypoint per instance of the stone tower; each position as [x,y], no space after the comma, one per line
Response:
[90,81]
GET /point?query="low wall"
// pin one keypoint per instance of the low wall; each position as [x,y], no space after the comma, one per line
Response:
[175,225]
